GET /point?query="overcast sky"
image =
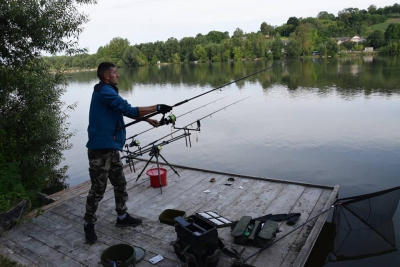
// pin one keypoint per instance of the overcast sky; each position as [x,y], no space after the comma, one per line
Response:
[142,21]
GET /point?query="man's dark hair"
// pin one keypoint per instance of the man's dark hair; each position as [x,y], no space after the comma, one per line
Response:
[103,68]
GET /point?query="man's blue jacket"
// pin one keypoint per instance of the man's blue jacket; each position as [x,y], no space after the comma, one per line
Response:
[107,111]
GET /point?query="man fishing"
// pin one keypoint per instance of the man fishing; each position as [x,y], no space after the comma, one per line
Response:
[107,137]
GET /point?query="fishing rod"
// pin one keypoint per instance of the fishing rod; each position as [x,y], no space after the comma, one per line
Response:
[185,128]
[155,149]
[173,118]
[190,99]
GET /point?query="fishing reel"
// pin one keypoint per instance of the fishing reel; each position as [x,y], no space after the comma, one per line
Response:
[134,143]
[155,150]
[165,121]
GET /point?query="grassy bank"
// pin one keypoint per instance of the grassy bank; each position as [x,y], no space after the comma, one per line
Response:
[6,262]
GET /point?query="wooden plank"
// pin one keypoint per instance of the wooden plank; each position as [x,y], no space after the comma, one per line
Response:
[255,203]
[226,197]
[304,205]
[282,202]
[77,254]
[127,234]
[138,191]
[298,244]
[76,234]
[146,235]
[69,231]
[15,255]
[42,250]
[305,252]
[20,249]
[150,203]
[190,200]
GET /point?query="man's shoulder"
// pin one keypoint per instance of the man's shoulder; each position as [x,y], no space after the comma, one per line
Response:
[103,86]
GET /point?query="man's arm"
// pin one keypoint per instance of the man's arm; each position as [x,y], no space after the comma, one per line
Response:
[146,110]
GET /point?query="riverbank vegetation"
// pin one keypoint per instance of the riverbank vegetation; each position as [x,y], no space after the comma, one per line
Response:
[326,33]
[33,128]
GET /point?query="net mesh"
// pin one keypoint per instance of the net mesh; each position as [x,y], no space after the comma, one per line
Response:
[364,225]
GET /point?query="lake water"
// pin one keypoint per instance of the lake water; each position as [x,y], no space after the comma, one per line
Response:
[322,121]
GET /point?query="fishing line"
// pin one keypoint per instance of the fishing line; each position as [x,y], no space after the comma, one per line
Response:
[133,136]
[185,127]
[212,90]
[229,83]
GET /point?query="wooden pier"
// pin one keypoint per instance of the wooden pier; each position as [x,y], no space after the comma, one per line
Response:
[56,236]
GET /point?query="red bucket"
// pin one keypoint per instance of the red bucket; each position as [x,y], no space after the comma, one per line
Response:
[153,174]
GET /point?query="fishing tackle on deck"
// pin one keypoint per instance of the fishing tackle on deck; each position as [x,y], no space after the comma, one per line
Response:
[170,119]
[149,148]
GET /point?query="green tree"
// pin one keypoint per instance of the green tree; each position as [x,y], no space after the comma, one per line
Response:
[372,9]
[322,49]
[114,50]
[216,36]
[306,34]
[133,57]
[276,48]
[293,49]
[226,50]
[293,21]
[238,33]
[392,48]
[154,60]
[267,29]
[323,15]
[201,39]
[332,48]
[171,47]
[285,30]
[200,53]
[187,45]
[29,27]
[376,39]
[392,32]
[237,53]
[147,49]
[33,128]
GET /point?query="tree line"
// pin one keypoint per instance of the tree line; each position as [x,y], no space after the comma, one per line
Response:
[297,37]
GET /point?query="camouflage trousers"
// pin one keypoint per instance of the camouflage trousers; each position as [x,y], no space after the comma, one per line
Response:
[103,165]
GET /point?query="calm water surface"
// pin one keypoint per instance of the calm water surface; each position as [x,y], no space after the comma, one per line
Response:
[328,122]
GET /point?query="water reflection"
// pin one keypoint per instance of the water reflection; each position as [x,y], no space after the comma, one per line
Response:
[348,76]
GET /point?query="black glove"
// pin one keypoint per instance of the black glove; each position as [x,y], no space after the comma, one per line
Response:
[163,108]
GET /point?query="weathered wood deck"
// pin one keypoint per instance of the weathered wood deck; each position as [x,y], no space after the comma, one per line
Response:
[56,237]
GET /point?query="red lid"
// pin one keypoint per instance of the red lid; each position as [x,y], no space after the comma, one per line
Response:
[154,172]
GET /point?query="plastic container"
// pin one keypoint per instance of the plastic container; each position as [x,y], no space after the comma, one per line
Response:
[196,231]
[153,174]
[122,255]
[168,215]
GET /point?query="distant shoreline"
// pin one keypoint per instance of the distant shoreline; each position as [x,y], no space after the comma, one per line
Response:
[341,53]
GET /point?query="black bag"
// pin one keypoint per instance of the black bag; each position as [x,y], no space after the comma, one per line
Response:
[197,242]
[256,232]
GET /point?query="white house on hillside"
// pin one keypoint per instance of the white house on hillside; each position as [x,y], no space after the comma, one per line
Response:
[340,40]
[354,39]
[357,39]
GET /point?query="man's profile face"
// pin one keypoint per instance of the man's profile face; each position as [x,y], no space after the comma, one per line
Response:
[111,76]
